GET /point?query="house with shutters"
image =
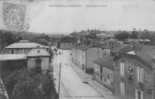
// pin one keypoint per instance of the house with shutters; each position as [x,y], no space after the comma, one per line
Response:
[104,72]
[23,47]
[84,57]
[134,73]
[26,54]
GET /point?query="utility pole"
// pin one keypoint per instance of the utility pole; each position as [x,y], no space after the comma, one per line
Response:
[86,61]
[59,83]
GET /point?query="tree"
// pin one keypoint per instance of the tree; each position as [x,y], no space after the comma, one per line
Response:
[145,34]
[24,84]
[42,39]
[68,39]
[3,97]
[92,35]
[122,35]
[8,37]
[134,34]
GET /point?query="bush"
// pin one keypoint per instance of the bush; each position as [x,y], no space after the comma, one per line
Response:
[24,84]
[122,35]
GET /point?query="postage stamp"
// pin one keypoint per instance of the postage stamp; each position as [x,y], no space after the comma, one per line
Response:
[14,16]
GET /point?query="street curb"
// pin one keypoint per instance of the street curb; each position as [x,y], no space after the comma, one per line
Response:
[91,82]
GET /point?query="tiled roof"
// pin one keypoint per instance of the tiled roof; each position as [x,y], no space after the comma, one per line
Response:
[146,55]
[106,61]
[125,48]
[25,44]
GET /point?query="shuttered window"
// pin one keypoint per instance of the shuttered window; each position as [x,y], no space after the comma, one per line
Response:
[140,74]
[122,69]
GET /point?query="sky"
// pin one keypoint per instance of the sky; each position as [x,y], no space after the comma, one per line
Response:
[108,15]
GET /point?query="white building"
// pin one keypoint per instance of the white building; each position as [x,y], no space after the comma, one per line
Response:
[32,54]
[23,46]
[38,58]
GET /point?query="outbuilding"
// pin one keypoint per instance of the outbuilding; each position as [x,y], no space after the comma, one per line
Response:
[38,59]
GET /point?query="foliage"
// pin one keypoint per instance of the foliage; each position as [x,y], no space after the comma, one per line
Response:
[8,37]
[91,35]
[2,97]
[134,34]
[150,35]
[68,39]
[122,35]
[42,39]
[24,84]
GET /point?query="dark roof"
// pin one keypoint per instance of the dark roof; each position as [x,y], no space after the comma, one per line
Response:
[125,48]
[146,55]
[106,61]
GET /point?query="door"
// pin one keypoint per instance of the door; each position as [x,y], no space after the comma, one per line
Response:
[138,94]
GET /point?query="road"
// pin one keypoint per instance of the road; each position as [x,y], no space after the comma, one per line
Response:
[72,86]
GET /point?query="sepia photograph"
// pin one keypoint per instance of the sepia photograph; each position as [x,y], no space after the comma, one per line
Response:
[77,49]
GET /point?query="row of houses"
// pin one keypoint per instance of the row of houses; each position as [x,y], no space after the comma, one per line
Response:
[84,57]
[127,70]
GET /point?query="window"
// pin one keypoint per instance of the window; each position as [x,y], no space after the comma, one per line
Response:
[122,88]
[140,74]
[101,72]
[138,94]
[122,69]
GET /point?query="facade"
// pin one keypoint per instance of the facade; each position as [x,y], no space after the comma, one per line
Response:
[38,59]
[66,45]
[85,57]
[104,72]
[91,55]
[30,54]
[79,58]
[23,46]
[134,74]
[112,43]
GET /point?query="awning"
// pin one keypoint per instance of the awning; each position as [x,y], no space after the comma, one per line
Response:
[7,57]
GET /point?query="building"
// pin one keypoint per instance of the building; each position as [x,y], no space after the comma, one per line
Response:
[79,57]
[66,45]
[85,57]
[134,74]
[104,72]
[23,55]
[23,46]
[112,44]
[26,54]
[142,41]
[38,59]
